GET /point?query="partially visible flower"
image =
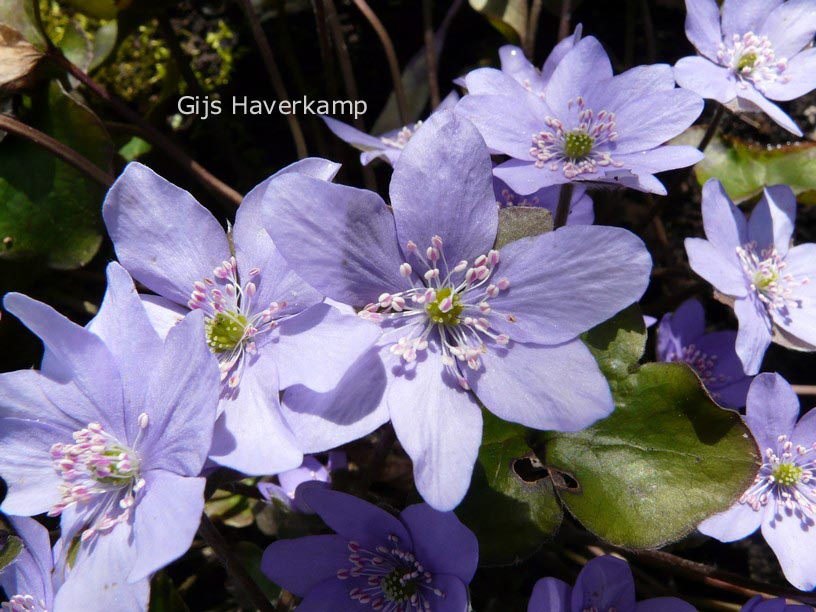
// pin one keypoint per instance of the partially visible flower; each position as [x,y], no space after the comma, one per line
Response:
[311,471]
[772,284]
[456,314]
[267,327]
[585,125]
[604,584]
[27,581]
[759,50]
[760,604]
[782,500]
[421,561]
[681,337]
[111,436]
[386,146]
[580,213]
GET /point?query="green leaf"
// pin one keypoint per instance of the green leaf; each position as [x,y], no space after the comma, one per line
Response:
[518,222]
[508,16]
[231,509]
[164,596]
[48,210]
[250,555]
[618,344]
[77,46]
[510,516]
[134,148]
[10,550]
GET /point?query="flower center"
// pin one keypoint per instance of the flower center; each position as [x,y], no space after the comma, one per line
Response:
[581,150]
[752,58]
[97,467]
[747,61]
[787,474]
[450,307]
[24,603]
[766,273]
[703,364]
[225,331]
[396,588]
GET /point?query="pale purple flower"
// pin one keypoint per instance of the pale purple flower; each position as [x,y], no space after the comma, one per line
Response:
[311,471]
[603,585]
[456,314]
[267,327]
[753,264]
[760,604]
[759,50]
[681,337]
[421,561]
[585,124]
[387,146]
[580,212]
[782,499]
[27,581]
[111,436]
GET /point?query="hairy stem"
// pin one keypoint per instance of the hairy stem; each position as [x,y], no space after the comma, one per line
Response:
[564,199]
[430,53]
[533,19]
[713,126]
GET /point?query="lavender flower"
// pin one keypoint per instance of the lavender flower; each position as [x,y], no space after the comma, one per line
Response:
[580,212]
[387,146]
[681,337]
[422,561]
[111,436]
[310,471]
[267,327]
[456,314]
[585,125]
[27,581]
[753,264]
[604,584]
[759,50]
[759,604]
[782,500]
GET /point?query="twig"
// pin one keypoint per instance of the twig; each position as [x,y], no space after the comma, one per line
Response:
[154,136]
[60,150]
[274,73]
[325,46]
[235,569]
[430,53]
[564,200]
[713,126]
[533,19]
[566,16]
[804,389]
[390,55]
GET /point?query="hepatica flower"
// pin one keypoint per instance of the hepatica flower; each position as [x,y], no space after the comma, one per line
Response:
[753,264]
[457,315]
[758,51]
[27,580]
[605,584]
[421,561]
[580,213]
[111,436]
[585,124]
[311,471]
[759,604]
[782,499]
[387,146]
[681,337]
[266,326]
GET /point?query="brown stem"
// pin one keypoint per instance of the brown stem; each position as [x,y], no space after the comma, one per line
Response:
[60,150]
[566,16]
[390,55]
[804,389]
[274,73]
[154,136]
[325,46]
[564,200]
[533,19]
[648,30]
[235,569]
[713,126]
[430,53]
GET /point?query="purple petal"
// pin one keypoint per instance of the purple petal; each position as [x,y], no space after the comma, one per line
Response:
[165,520]
[441,542]
[318,346]
[559,51]
[516,65]
[578,72]
[703,26]
[524,383]
[524,178]
[706,79]
[725,225]
[772,410]
[301,565]
[356,519]
[557,302]
[664,604]
[492,82]
[688,322]
[440,427]
[353,409]
[353,136]
[790,27]
[581,207]
[769,108]
[729,384]
[30,572]
[442,186]
[801,75]
[310,470]
[455,594]
[628,87]
[341,240]
[754,334]
[742,16]
[550,595]
[805,431]
[758,604]
[162,235]
[723,272]
[605,582]
[772,220]
[331,594]
[792,536]
[736,523]
[180,402]
[660,159]
[163,314]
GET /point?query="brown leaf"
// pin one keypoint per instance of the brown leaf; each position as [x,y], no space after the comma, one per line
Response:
[18,60]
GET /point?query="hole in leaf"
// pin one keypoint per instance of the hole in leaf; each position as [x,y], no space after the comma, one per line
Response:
[564,480]
[529,469]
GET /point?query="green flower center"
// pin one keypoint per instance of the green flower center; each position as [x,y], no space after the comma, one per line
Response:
[394,589]
[763,279]
[578,144]
[225,331]
[787,474]
[117,475]
[446,314]
[747,61]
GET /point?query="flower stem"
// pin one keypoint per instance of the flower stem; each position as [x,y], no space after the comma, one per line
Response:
[804,389]
[564,199]
[221,548]
[224,191]
[60,150]
[713,126]
[430,53]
